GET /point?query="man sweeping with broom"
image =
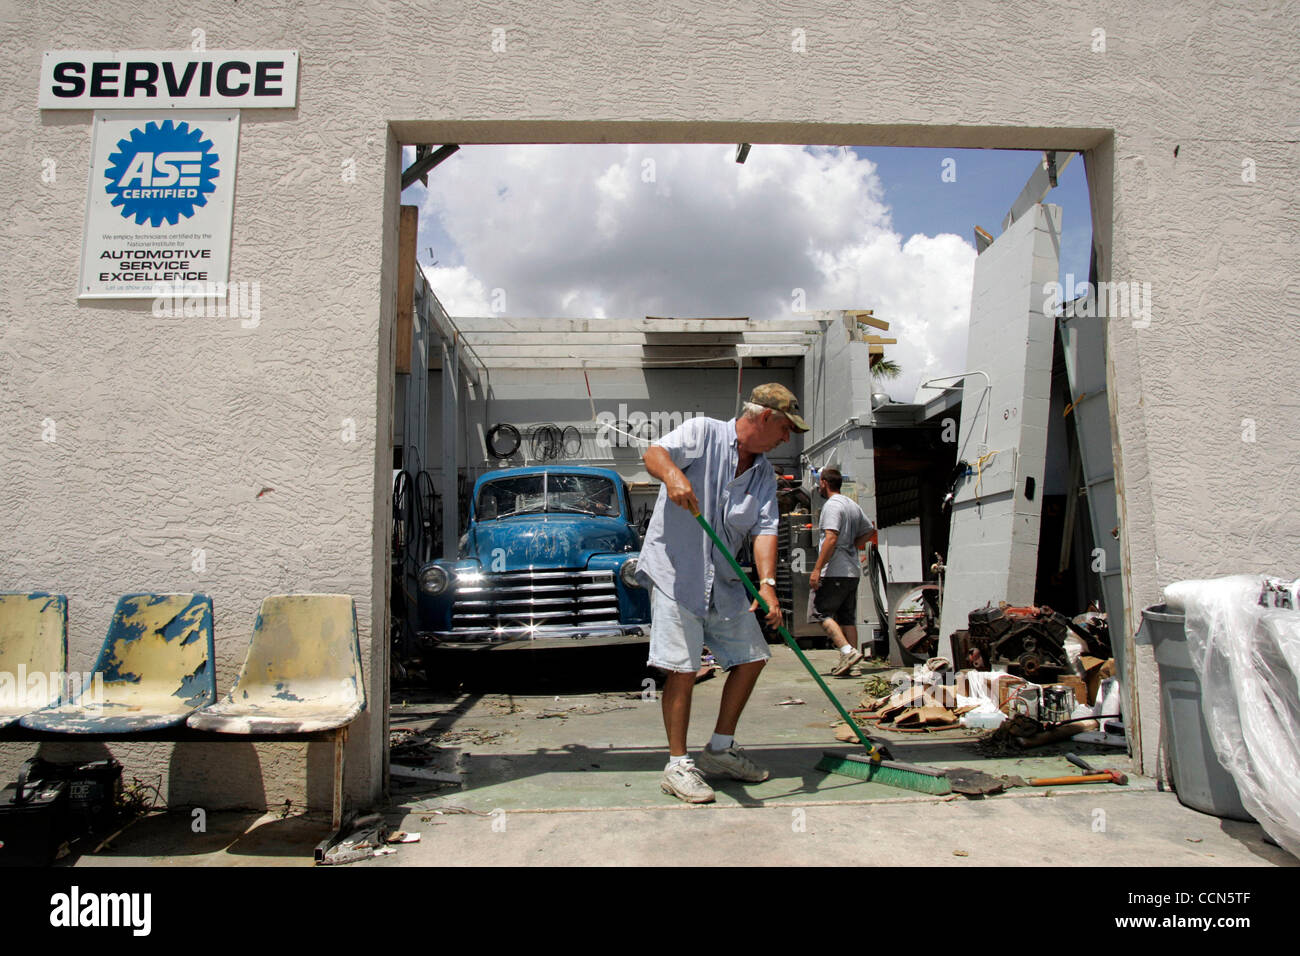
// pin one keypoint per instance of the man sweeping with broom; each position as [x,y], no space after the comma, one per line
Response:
[716,472]
[720,470]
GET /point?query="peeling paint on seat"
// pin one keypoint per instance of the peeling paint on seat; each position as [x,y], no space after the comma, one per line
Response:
[33,652]
[155,667]
[302,673]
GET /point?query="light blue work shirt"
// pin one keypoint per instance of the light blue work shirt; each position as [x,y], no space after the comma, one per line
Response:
[677,556]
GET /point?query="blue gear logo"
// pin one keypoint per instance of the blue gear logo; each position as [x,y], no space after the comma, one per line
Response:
[162,173]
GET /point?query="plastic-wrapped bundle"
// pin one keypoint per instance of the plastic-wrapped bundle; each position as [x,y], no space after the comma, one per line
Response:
[1248,659]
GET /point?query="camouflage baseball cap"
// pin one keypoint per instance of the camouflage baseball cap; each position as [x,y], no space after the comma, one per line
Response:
[777,396]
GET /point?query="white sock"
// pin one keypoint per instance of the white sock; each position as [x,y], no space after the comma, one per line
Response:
[720,742]
[846,650]
[674,761]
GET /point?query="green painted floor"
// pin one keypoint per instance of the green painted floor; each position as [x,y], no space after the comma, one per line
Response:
[606,749]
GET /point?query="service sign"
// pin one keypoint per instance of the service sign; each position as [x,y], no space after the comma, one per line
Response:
[159,208]
[168,79]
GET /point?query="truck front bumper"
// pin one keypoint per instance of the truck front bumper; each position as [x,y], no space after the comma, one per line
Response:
[538,636]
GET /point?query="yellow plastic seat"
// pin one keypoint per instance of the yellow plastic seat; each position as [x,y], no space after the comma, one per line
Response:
[33,653]
[302,673]
[154,670]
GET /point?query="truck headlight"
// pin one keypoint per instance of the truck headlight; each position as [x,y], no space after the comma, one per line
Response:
[434,579]
[628,573]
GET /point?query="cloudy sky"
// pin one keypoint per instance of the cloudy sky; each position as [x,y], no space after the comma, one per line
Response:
[628,231]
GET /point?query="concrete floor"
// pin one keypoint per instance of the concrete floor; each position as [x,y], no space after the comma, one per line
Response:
[563,770]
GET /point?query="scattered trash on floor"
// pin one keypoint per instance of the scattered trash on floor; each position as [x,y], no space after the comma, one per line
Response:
[424,774]
[414,758]
[877,686]
[367,837]
[791,702]
[582,710]
[444,811]
[1034,681]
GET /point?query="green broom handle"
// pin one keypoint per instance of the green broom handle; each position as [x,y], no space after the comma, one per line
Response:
[785,636]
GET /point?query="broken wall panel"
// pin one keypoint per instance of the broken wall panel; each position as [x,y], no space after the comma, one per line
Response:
[1083,341]
[994,526]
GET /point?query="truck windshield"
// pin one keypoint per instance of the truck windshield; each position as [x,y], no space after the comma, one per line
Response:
[530,494]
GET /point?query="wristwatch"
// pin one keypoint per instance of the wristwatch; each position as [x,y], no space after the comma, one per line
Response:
[771,581]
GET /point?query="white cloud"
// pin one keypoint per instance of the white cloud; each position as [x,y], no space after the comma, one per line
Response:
[921,287]
[592,231]
[458,290]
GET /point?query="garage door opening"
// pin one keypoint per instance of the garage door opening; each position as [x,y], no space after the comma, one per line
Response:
[569,304]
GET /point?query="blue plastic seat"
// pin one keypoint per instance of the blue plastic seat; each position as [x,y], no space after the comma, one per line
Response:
[154,670]
[33,652]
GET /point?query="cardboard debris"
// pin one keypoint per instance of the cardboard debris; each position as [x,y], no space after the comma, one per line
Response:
[921,695]
[973,782]
[871,704]
[926,716]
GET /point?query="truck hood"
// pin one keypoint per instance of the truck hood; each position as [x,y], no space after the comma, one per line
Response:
[550,540]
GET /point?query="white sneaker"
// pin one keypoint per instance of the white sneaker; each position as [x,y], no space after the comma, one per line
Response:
[684,780]
[846,664]
[732,762]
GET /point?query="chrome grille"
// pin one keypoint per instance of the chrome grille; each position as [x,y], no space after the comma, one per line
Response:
[520,598]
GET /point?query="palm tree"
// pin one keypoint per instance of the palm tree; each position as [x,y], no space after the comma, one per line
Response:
[886,368]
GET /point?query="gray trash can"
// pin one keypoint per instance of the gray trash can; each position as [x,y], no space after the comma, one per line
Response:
[1199,779]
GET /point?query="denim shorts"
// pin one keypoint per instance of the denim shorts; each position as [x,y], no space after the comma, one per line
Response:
[678,636]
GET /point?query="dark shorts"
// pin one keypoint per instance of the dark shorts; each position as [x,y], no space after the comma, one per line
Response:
[837,599]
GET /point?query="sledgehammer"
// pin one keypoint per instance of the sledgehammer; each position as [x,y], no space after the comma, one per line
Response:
[1092,775]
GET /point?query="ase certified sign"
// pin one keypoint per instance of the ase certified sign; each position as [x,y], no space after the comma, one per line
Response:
[247,79]
[159,207]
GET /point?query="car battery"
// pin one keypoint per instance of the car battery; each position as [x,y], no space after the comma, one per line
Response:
[33,818]
[94,790]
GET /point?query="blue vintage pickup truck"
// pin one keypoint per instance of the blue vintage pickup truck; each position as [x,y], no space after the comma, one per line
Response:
[549,560]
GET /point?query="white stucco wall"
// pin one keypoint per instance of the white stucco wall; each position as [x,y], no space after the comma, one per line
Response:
[168,428]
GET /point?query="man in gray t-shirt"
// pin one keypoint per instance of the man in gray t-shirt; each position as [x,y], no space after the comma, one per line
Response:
[833,586]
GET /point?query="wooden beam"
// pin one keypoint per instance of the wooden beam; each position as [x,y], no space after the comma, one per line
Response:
[407,234]
[866,318]
[1038,186]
